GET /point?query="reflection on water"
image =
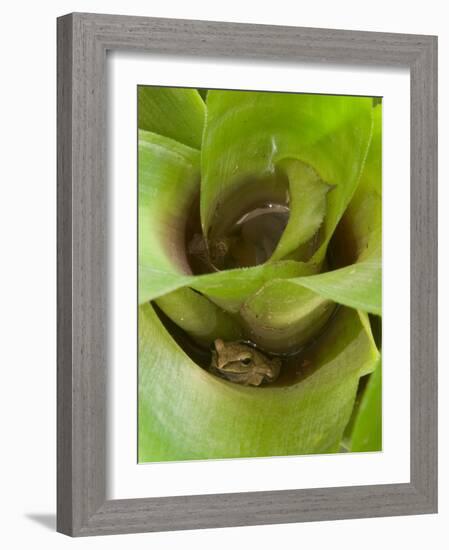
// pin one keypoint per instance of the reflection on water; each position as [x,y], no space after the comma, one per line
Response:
[251,240]
[245,228]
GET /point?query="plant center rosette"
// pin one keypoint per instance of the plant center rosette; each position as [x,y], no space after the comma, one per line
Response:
[259,222]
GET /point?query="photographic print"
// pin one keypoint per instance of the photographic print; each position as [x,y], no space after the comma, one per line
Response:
[259,274]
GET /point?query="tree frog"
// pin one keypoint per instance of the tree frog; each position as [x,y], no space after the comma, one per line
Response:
[243,364]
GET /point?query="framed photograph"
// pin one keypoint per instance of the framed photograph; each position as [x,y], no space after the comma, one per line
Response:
[247,274]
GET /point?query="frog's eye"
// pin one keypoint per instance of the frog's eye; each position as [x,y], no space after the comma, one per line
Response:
[245,360]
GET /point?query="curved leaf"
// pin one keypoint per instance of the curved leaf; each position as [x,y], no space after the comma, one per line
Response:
[198,316]
[247,134]
[358,285]
[285,313]
[187,413]
[364,213]
[308,194]
[282,316]
[358,240]
[229,289]
[168,182]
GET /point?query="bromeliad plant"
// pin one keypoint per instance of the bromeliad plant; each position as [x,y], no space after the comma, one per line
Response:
[259,223]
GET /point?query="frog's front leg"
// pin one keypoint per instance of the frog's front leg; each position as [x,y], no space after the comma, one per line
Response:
[254,379]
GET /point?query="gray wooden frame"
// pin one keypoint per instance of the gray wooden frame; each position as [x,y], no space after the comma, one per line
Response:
[83,40]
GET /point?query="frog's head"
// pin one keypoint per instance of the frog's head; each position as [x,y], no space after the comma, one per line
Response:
[233,357]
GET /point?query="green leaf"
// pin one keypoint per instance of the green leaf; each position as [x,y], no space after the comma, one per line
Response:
[229,289]
[307,208]
[358,240]
[358,285]
[359,234]
[282,316]
[367,428]
[187,413]
[248,134]
[177,113]
[198,316]
[168,182]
